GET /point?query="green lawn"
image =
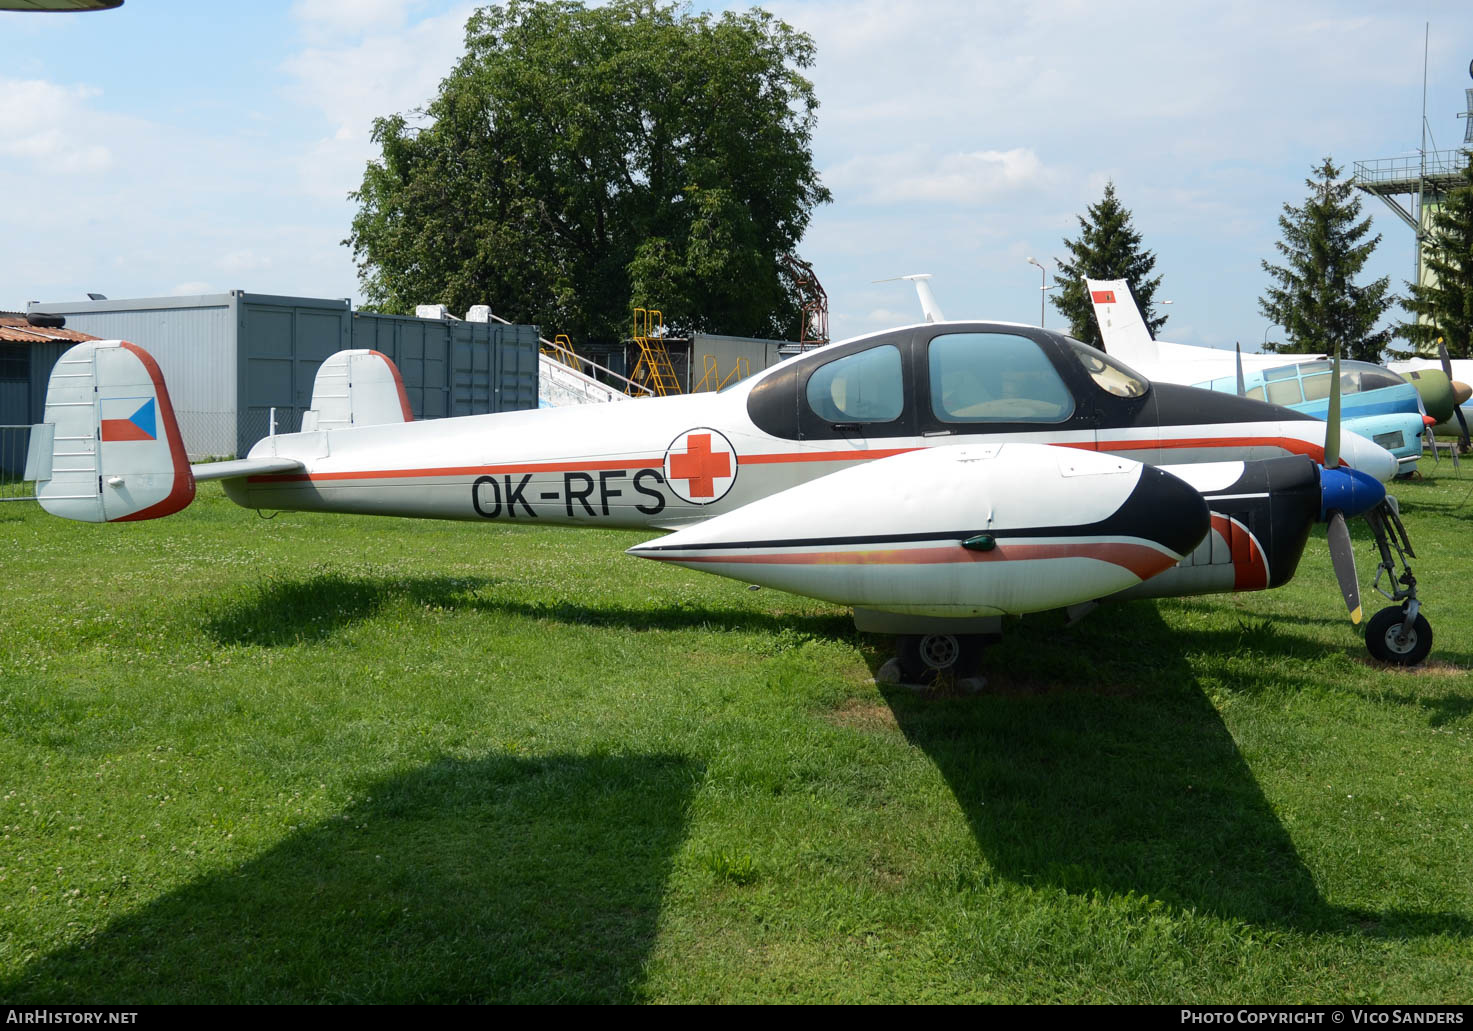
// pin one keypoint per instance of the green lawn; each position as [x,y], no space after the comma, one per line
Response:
[320,758]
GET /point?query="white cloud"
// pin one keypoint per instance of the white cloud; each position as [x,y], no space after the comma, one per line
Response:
[237,262]
[325,19]
[191,289]
[348,86]
[970,178]
[51,126]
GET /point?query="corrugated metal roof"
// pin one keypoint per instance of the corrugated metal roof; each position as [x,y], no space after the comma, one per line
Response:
[14,329]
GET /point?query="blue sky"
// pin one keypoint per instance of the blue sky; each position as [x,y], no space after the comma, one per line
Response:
[181,147]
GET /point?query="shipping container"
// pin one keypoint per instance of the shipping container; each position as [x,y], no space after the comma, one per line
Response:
[230,359]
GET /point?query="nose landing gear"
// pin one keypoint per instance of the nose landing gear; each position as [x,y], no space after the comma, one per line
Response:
[1400,634]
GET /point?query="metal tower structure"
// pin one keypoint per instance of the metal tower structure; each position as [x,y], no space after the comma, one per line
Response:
[815,329]
[1423,180]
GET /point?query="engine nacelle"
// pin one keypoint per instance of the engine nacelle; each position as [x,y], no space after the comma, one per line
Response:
[956,531]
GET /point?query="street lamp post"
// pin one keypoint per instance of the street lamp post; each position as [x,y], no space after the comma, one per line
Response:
[1042,289]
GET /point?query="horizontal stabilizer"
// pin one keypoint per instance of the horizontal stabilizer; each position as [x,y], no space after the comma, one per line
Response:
[357,388]
[245,467]
[116,451]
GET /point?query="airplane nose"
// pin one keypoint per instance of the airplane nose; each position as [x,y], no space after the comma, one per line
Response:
[1461,392]
[1360,453]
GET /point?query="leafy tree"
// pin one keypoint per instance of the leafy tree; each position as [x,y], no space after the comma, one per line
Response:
[1316,300]
[1445,307]
[579,161]
[1108,248]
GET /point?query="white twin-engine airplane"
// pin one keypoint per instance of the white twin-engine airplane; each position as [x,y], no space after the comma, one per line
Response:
[934,477]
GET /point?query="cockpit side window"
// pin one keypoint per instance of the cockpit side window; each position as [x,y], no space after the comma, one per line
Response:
[995,377]
[1113,376]
[1356,377]
[864,388]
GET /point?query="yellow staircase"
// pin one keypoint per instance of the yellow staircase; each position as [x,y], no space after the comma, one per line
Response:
[653,370]
[560,348]
[712,379]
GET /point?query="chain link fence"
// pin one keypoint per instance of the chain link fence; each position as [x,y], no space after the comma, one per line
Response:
[14,442]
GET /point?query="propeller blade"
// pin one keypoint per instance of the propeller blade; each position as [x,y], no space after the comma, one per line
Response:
[1342,557]
[1447,367]
[1242,387]
[1332,430]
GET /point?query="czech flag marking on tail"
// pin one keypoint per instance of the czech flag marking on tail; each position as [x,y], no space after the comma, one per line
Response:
[117,453]
[139,423]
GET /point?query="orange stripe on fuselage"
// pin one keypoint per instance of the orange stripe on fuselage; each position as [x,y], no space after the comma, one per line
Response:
[1293,445]
[1142,560]
[461,470]
[1290,444]
[825,456]
[557,467]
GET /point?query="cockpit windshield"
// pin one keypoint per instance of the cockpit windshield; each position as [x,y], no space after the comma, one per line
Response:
[1113,376]
[995,377]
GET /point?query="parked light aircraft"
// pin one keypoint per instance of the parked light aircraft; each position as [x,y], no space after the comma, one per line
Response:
[1460,371]
[1375,402]
[934,477]
[1378,404]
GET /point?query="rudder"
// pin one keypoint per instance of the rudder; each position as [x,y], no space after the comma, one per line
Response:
[357,388]
[117,454]
[1122,328]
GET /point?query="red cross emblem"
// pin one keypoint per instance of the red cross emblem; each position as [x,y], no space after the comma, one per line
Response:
[700,466]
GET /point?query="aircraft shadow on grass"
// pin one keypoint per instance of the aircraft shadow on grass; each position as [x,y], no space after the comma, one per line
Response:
[1127,781]
[495,880]
[284,611]
[287,610]
[1096,768]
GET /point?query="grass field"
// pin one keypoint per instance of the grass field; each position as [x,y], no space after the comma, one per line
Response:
[322,758]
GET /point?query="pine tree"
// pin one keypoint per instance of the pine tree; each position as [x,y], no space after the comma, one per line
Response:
[1108,248]
[1445,308]
[1316,300]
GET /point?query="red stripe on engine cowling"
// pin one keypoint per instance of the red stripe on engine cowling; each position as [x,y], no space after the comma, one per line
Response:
[1250,565]
[1141,559]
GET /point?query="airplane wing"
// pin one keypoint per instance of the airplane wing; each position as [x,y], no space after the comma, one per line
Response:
[59,5]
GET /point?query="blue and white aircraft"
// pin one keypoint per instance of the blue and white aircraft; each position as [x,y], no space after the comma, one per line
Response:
[1377,403]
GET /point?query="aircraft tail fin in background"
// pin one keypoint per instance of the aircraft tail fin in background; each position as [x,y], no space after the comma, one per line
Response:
[929,307]
[116,453]
[1122,327]
[357,388]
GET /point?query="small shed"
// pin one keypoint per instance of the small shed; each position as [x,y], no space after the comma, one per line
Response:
[27,353]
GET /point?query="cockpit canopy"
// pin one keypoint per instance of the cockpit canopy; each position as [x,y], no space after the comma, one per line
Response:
[1308,381]
[939,378]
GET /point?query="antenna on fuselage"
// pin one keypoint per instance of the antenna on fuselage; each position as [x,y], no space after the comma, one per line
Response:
[929,307]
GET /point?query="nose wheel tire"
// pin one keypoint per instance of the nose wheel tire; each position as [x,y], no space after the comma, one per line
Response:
[1390,640]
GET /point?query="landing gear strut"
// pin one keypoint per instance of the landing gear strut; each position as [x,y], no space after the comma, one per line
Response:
[1400,634]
